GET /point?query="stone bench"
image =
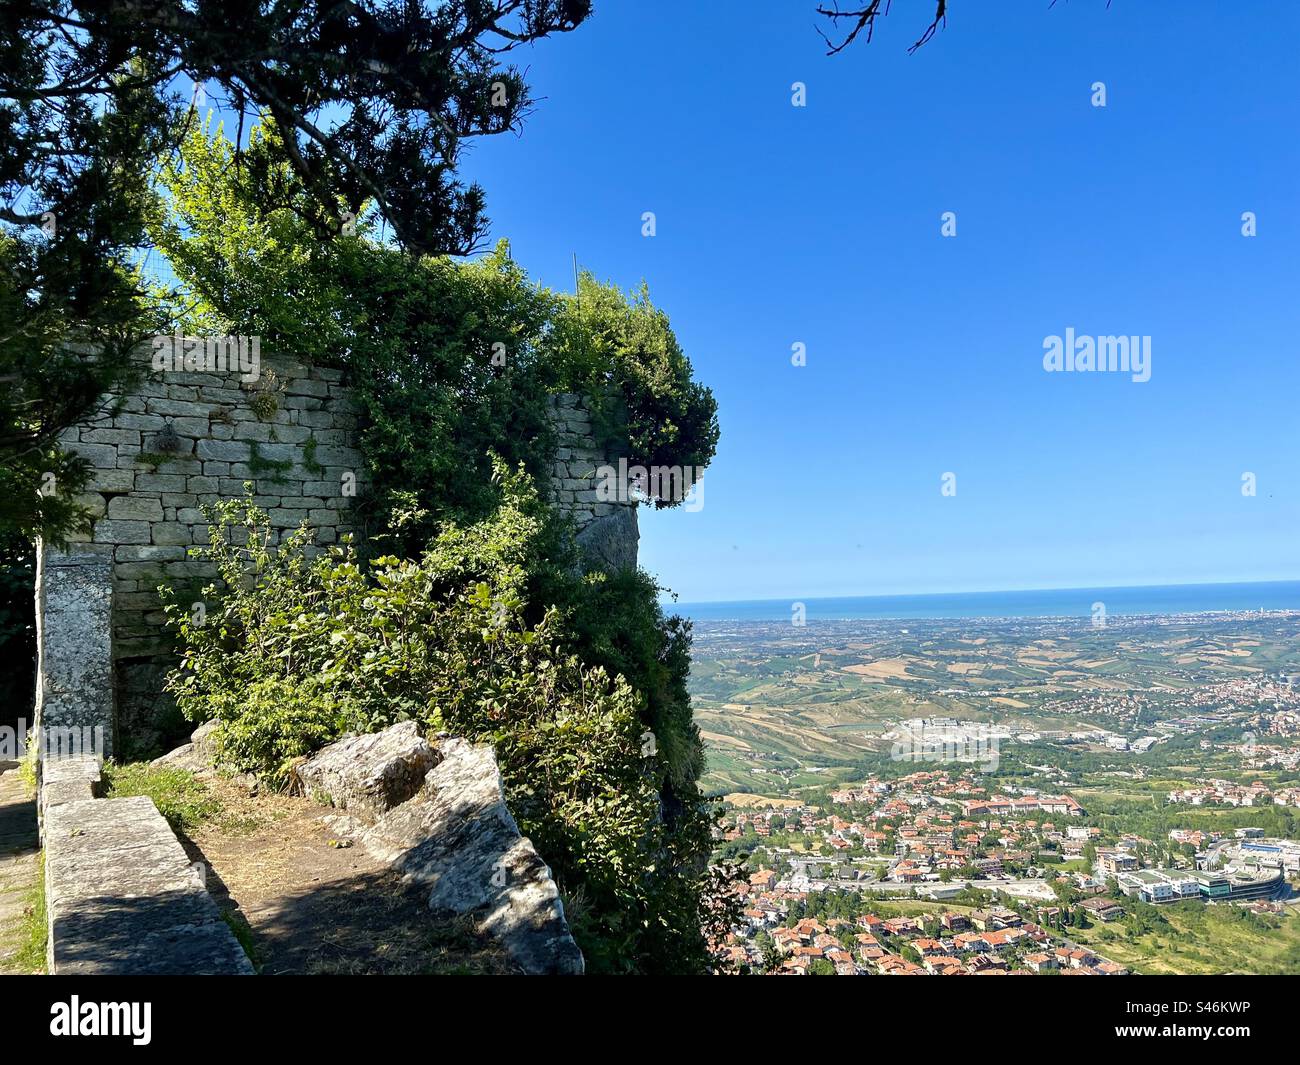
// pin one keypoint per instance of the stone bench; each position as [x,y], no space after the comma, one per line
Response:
[122,897]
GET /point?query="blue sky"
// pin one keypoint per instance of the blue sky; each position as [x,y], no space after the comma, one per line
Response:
[821,224]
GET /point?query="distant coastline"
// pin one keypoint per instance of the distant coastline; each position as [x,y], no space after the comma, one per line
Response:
[1034,603]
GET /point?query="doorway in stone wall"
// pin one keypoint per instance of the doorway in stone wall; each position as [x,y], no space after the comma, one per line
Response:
[17,633]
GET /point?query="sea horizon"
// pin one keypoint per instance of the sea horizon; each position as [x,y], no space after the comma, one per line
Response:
[1022,603]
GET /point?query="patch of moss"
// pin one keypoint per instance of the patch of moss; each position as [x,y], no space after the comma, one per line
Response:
[243,933]
[27,767]
[265,401]
[268,469]
[309,462]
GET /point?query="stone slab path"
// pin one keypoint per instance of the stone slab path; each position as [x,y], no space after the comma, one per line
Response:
[19,849]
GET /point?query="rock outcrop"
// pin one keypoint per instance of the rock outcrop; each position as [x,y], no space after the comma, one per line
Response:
[199,755]
[452,833]
[369,775]
[609,541]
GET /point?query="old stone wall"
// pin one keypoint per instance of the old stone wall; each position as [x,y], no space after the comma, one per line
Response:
[606,529]
[181,440]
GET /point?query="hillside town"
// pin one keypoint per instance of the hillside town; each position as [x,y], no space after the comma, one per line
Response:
[995,881]
[1226,793]
[994,942]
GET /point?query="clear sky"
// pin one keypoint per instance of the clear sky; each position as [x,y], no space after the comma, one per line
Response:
[821,225]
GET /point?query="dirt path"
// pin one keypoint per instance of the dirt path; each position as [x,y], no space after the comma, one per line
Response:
[19,866]
[315,906]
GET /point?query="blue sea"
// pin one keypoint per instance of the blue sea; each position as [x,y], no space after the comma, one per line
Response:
[1041,603]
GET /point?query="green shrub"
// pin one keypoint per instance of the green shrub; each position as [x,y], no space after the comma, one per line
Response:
[302,648]
[17,628]
[622,353]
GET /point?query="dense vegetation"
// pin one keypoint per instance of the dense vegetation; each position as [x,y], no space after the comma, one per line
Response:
[378,99]
[464,605]
[17,629]
[450,359]
[311,648]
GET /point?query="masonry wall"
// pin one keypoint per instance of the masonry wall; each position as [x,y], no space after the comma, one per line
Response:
[606,530]
[179,441]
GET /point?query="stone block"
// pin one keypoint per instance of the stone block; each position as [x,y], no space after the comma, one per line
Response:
[112,480]
[179,408]
[149,422]
[369,775]
[611,541]
[114,531]
[171,534]
[74,607]
[111,436]
[123,899]
[285,519]
[307,387]
[102,456]
[136,508]
[457,838]
[192,427]
[149,553]
[224,450]
[69,779]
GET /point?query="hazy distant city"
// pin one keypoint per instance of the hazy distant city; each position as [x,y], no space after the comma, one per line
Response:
[1042,794]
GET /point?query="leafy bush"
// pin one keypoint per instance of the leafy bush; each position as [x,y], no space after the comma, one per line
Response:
[622,353]
[303,647]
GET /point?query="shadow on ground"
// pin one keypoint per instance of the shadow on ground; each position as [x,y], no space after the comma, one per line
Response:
[301,904]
